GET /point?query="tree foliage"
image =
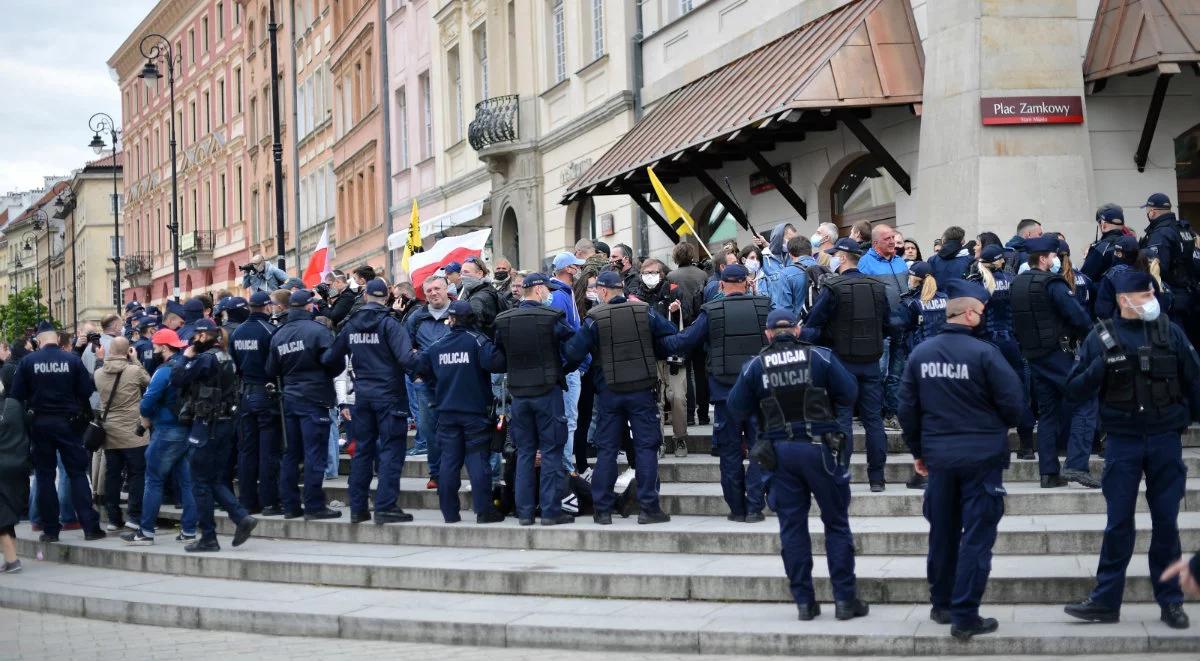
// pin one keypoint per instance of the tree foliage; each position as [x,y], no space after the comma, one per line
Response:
[22,312]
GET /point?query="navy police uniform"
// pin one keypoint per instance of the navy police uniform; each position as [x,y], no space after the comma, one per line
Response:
[56,386]
[295,357]
[1100,255]
[258,411]
[380,350]
[457,366]
[958,399]
[923,319]
[1171,241]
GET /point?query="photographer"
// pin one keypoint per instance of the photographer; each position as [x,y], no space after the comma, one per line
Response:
[338,297]
[124,448]
[261,275]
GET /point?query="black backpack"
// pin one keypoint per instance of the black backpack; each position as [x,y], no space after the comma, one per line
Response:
[816,277]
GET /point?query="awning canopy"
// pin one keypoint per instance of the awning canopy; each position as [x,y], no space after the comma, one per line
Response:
[865,53]
[1131,36]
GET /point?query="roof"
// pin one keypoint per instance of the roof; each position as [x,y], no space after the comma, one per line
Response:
[106,162]
[43,200]
[865,53]
[1135,35]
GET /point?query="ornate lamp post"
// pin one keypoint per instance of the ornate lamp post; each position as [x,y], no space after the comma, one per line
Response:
[102,122]
[39,220]
[155,47]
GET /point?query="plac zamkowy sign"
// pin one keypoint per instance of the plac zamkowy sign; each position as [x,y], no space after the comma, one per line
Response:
[997,110]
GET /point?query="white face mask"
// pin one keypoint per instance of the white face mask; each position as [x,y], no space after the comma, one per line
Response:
[1147,311]
[816,239]
[593,297]
[835,263]
[651,280]
[752,265]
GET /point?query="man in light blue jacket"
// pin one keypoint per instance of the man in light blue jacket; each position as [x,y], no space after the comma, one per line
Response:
[888,266]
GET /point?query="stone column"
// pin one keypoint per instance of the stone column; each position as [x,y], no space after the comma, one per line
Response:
[989,177]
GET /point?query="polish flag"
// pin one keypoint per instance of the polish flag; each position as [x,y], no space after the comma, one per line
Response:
[446,250]
[318,264]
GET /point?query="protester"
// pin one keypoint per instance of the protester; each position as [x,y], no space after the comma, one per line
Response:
[120,383]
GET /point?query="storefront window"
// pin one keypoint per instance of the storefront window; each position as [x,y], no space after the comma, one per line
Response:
[864,191]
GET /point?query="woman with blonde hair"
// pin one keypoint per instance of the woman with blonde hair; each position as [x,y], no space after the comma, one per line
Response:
[1079,284]
[924,305]
[1128,256]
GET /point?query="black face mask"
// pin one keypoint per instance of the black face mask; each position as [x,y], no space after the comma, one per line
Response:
[501,275]
[203,346]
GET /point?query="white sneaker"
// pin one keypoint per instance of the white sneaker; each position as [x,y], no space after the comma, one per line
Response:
[132,526]
[112,527]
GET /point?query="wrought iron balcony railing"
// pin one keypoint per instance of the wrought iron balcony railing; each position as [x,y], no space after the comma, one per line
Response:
[194,242]
[496,121]
[137,263]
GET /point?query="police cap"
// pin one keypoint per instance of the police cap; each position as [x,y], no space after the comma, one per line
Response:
[781,319]
[45,326]
[132,305]
[734,273]
[1127,244]
[1157,201]
[534,279]
[260,299]
[919,269]
[377,287]
[1064,248]
[1132,280]
[235,303]
[1042,244]
[461,309]
[966,289]
[293,283]
[845,244]
[175,307]
[1110,213]
[194,306]
[300,298]
[206,325]
[452,267]
[991,253]
[610,280]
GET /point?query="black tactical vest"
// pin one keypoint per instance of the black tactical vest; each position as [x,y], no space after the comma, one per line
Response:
[735,334]
[855,329]
[1141,380]
[626,345]
[791,397]
[1038,326]
[213,397]
[530,346]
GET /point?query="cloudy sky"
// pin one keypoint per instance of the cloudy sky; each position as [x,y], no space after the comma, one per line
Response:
[53,77]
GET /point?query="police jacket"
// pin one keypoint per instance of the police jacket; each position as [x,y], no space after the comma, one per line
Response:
[958,398]
[207,383]
[457,367]
[52,382]
[1084,293]
[1148,383]
[997,313]
[380,351]
[249,346]
[424,328]
[160,402]
[731,329]
[1045,315]
[530,336]
[1100,255]
[784,373]
[1171,241]
[950,263]
[625,340]
[923,319]
[853,329]
[295,355]
[145,354]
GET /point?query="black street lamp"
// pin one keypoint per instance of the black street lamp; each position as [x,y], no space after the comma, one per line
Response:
[154,50]
[65,204]
[103,122]
[277,146]
[38,220]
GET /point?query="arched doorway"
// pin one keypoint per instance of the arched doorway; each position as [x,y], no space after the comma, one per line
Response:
[585,220]
[863,191]
[715,224]
[1187,173]
[510,237]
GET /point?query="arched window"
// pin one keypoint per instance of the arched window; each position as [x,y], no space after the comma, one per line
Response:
[716,224]
[585,220]
[863,191]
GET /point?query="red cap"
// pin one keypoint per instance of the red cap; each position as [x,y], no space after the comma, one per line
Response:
[168,337]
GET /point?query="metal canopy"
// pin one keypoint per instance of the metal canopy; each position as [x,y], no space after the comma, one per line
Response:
[1131,36]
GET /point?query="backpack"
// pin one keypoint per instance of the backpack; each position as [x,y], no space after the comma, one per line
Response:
[816,278]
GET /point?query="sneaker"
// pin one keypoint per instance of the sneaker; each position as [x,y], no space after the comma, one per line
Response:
[877,487]
[416,452]
[11,567]
[892,423]
[132,526]
[113,527]
[681,449]
[182,537]
[136,538]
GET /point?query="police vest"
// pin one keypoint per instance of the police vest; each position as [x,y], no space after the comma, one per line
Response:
[1141,380]
[1179,272]
[931,316]
[855,331]
[735,334]
[787,380]
[1037,325]
[626,345]
[214,397]
[529,338]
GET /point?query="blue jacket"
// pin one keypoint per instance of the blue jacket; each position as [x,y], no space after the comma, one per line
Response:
[587,341]
[1100,254]
[380,351]
[296,352]
[958,399]
[160,402]
[423,329]
[692,338]
[775,261]
[792,291]
[950,263]
[825,371]
[562,297]
[822,312]
[1087,377]
[269,280]
[145,353]
[457,368]
[52,382]
[249,346]
[873,263]
[997,314]
[712,290]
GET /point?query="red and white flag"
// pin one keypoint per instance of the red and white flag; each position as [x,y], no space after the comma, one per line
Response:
[318,264]
[446,250]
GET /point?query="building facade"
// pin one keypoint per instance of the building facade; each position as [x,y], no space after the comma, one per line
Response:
[84,283]
[35,240]
[311,59]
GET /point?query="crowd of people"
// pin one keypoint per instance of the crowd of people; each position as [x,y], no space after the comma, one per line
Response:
[537,382]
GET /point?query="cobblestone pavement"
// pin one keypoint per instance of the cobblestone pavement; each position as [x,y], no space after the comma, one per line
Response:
[36,636]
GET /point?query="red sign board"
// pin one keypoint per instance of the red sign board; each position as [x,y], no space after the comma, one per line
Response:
[1031,110]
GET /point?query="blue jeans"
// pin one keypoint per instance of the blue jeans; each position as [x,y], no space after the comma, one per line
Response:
[308,443]
[420,445]
[380,429]
[571,408]
[66,510]
[891,366]
[427,419]
[208,456]
[331,464]
[167,454]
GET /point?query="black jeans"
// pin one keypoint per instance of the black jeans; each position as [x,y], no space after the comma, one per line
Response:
[127,465]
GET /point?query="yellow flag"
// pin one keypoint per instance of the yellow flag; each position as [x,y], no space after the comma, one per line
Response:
[414,244]
[675,214]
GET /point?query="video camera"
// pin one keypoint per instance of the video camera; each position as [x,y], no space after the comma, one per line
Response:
[93,338]
[323,290]
[248,268]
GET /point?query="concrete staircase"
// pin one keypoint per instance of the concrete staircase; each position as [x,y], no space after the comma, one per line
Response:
[696,584]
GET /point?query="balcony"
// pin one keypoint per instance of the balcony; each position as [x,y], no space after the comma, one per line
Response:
[496,121]
[137,268]
[196,249]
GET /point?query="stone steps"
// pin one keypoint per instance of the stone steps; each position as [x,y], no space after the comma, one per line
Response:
[1015,579]
[551,622]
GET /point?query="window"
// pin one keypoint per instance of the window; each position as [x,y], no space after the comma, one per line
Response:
[237,79]
[558,40]
[192,110]
[402,127]
[426,117]
[204,33]
[240,199]
[114,243]
[481,63]
[221,21]
[192,46]
[224,203]
[454,75]
[207,113]
[208,204]
[221,101]
[864,191]
[237,14]
[254,216]
[597,29]
[301,110]
[253,119]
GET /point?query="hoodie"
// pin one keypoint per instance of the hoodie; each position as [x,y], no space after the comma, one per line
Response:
[775,260]
[950,263]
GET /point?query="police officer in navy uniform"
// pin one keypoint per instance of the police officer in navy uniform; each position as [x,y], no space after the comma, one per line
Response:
[731,330]
[144,328]
[1170,240]
[208,385]
[458,367]
[1147,376]
[1047,319]
[380,351]
[1111,219]
[625,337]
[234,311]
[258,411]
[530,336]
[958,399]
[55,386]
[851,316]
[295,357]
[797,391]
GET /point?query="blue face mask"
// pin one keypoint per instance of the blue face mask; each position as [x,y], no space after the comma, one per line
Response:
[1056,265]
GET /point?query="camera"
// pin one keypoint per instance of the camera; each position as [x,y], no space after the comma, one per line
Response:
[323,290]
[93,338]
[248,268]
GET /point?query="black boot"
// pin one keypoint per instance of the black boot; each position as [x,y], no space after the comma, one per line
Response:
[559,520]
[244,528]
[1093,612]
[602,518]
[1174,616]
[393,515]
[322,514]
[984,625]
[645,518]
[489,517]
[203,545]
[271,510]
[1053,481]
[809,611]
[917,482]
[940,615]
[359,517]
[848,610]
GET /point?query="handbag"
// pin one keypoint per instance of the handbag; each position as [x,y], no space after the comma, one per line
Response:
[94,435]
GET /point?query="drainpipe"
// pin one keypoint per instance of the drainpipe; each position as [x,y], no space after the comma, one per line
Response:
[643,223]
[386,114]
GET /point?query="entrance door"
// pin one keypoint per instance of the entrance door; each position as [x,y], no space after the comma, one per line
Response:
[1187,173]
[863,191]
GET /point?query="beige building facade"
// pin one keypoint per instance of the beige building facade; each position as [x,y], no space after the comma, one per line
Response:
[83,274]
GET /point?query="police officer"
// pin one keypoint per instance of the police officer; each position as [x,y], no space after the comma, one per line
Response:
[1111,219]
[133,311]
[55,386]
[796,390]
[731,329]
[235,310]
[458,367]
[1170,240]
[530,336]
[1147,376]
[851,316]
[958,399]
[258,411]
[1046,319]
[207,381]
[295,357]
[144,329]
[625,337]
[380,350]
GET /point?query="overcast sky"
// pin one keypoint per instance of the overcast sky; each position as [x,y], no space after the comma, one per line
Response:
[53,77]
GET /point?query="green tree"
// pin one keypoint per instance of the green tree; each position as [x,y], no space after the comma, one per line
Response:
[22,312]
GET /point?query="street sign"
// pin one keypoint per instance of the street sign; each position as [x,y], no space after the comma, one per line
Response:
[1001,110]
